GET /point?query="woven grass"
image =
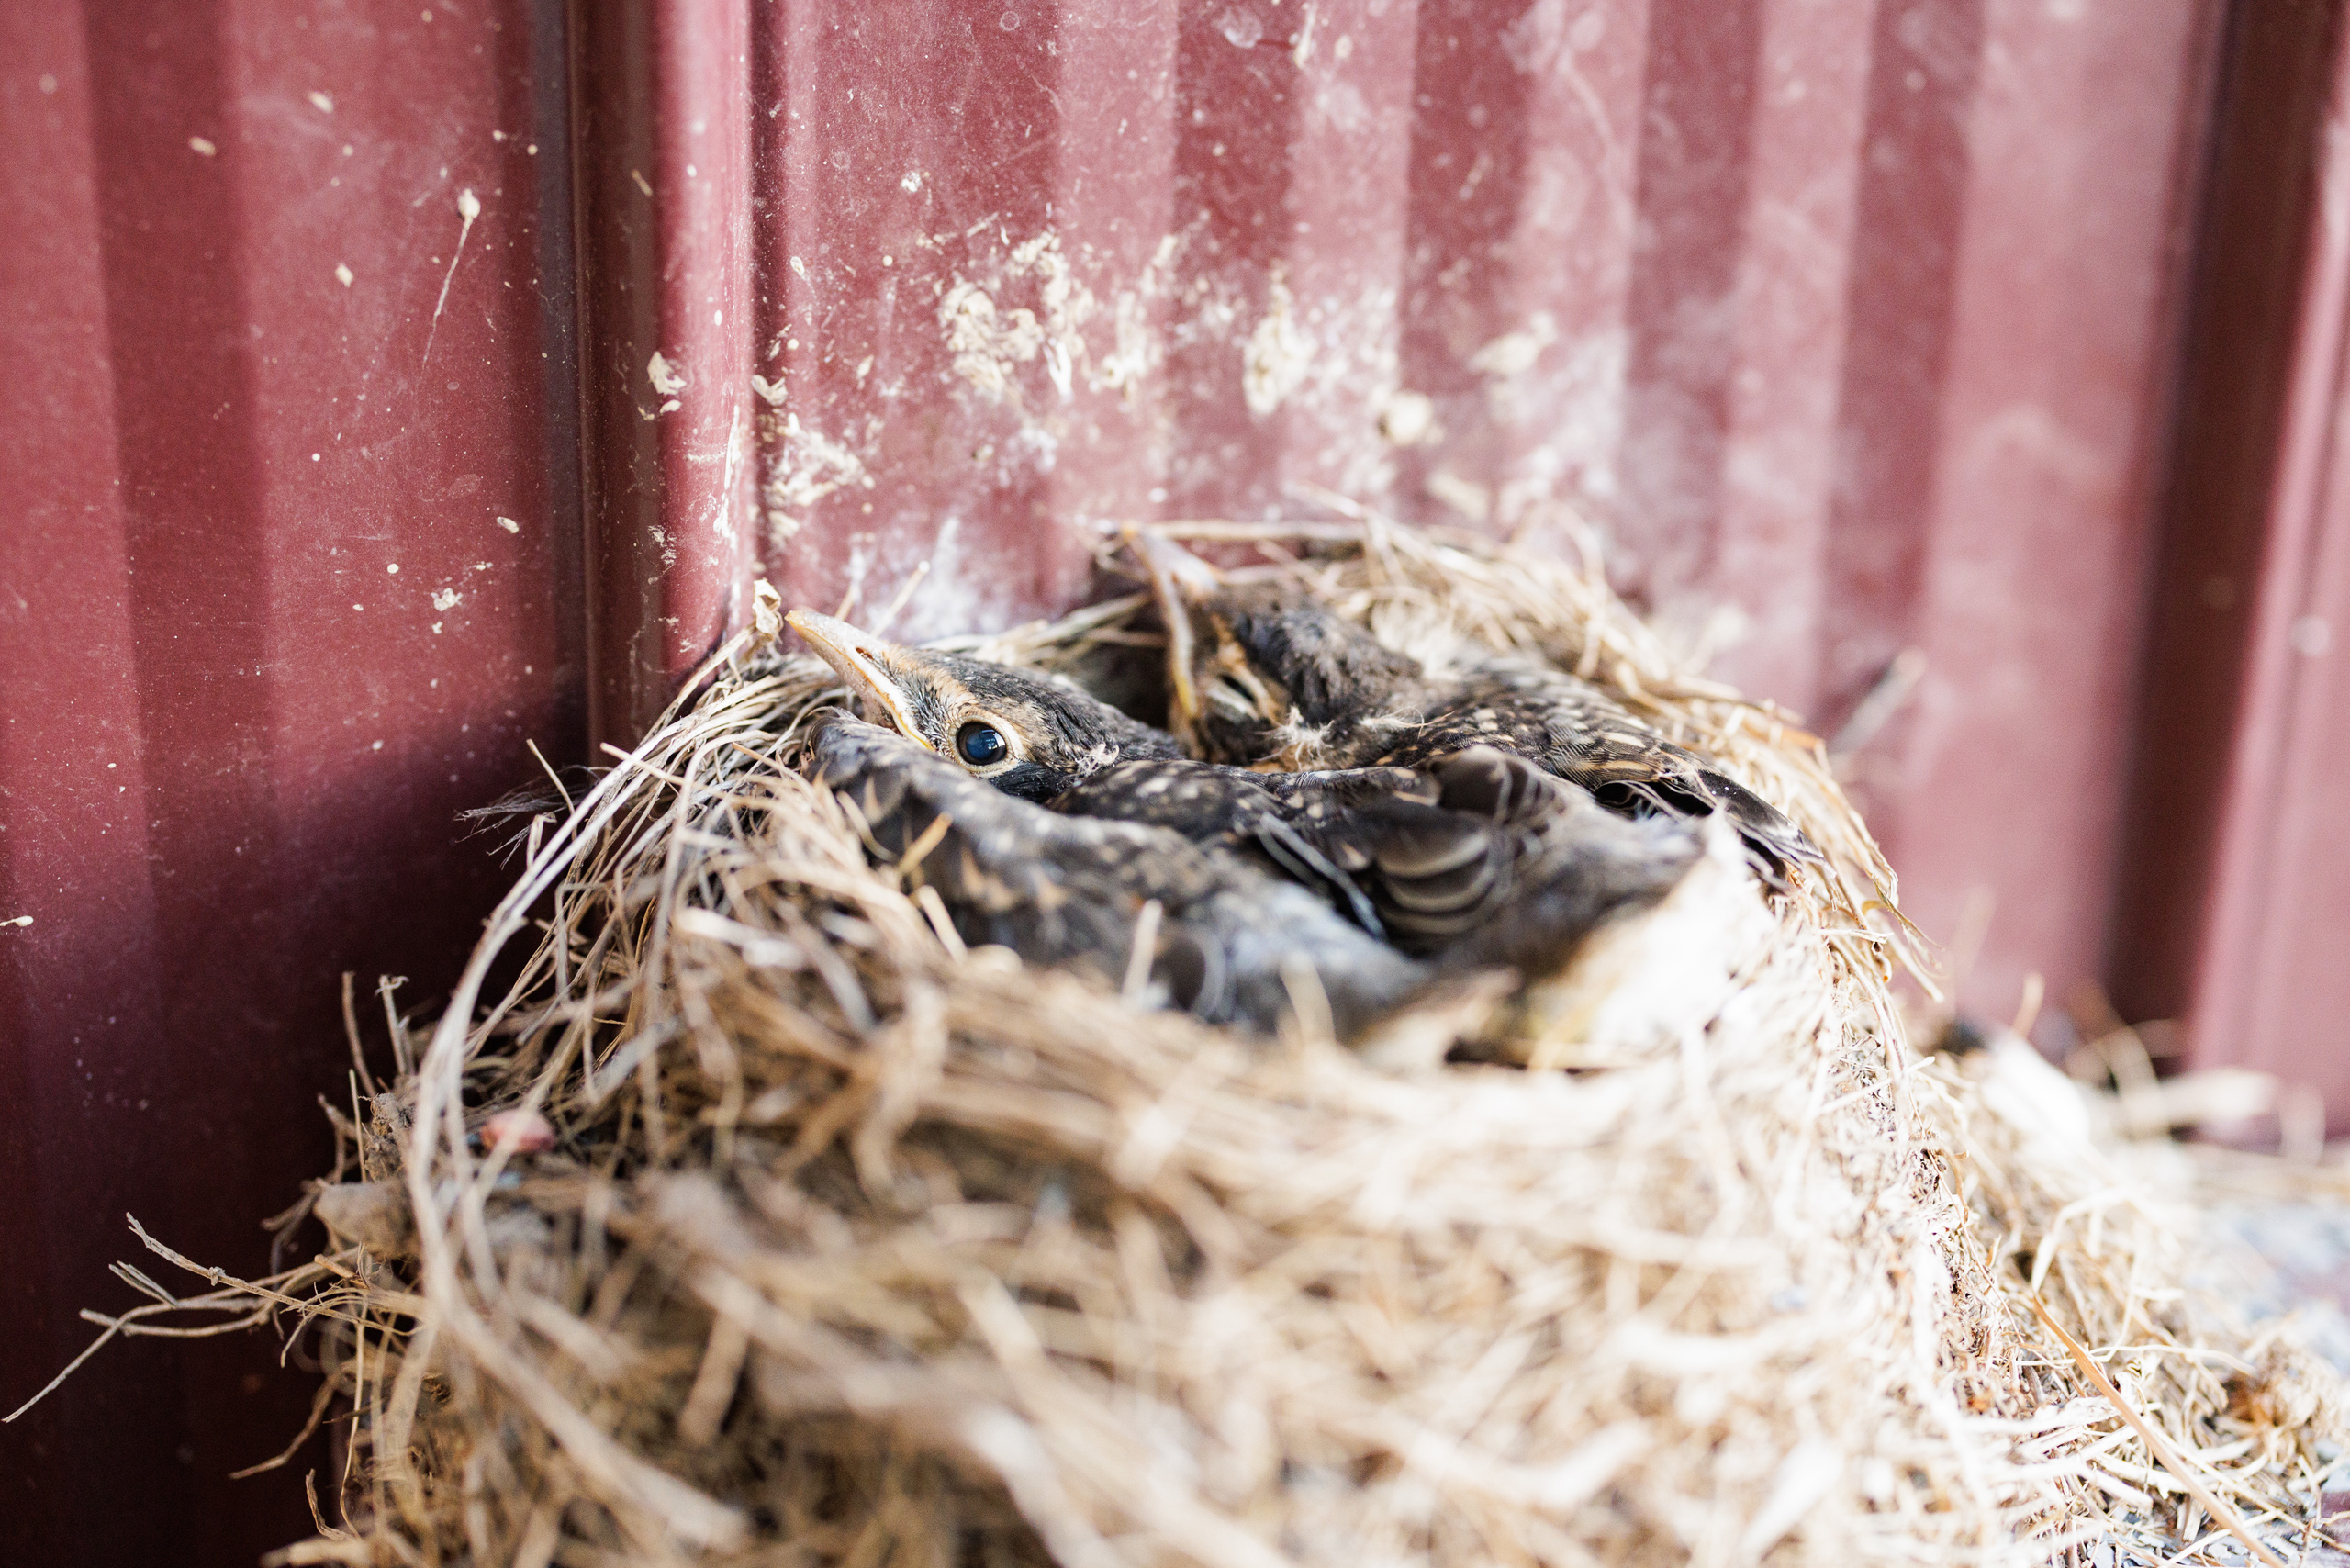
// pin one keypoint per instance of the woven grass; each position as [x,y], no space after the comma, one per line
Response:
[853,1247]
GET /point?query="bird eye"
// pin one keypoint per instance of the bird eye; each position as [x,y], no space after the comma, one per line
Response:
[982,745]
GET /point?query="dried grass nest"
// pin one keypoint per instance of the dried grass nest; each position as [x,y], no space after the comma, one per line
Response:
[854,1247]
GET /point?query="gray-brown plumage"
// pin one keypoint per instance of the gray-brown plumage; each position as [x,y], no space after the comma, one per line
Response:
[1043,740]
[1506,864]
[1478,859]
[1025,732]
[1260,675]
[1247,814]
[1230,940]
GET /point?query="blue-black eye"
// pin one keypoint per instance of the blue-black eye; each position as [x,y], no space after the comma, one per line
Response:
[982,745]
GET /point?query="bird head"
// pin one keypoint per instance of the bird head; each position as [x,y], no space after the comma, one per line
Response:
[1028,734]
[1258,672]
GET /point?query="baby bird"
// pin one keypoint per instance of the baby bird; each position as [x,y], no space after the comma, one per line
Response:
[1478,859]
[1259,676]
[1027,733]
[1141,905]
[1044,740]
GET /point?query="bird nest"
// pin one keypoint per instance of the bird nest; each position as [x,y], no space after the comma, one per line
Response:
[752,1218]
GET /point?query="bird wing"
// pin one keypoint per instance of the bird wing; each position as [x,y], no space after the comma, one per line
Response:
[1224,808]
[1484,843]
[1490,860]
[1069,890]
[1572,865]
[1579,734]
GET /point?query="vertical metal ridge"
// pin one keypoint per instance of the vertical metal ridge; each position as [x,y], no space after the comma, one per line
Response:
[662,151]
[1694,196]
[2250,224]
[2237,1011]
[1902,305]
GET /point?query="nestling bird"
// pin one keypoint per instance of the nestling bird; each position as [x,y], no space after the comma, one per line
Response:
[1478,859]
[1196,928]
[1027,733]
[1260,676]
[1044,740]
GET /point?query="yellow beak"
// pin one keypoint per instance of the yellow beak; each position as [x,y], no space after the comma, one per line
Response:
[863,661]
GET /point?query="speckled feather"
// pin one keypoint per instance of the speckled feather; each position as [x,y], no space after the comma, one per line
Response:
[1067,889]
[1350,701]
[1479,860]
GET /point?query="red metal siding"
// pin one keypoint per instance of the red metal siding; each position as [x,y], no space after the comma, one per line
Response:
[1846,323]
[965,315]
[2261,589]
[233,739]
[663,147]
[2007,784]
[2259,207]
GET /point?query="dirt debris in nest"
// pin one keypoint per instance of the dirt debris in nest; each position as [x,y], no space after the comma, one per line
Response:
[803,1234]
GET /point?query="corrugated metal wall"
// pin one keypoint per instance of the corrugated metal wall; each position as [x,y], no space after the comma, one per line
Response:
[2235,892]
[262,634]
[1849,325]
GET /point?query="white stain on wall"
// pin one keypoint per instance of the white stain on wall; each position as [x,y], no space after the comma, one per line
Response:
[1279,353]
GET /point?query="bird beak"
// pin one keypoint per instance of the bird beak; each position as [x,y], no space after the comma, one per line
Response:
[863,661]
[1175,573]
